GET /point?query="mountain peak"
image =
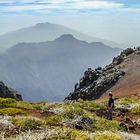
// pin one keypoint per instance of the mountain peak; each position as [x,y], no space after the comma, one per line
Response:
[45,24]
[67,37]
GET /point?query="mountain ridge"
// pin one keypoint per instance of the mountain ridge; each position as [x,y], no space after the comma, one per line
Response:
[33,68]
[45,32]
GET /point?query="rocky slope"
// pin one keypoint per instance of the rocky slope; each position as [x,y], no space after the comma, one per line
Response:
[6,92]
[122,77]
[129,85]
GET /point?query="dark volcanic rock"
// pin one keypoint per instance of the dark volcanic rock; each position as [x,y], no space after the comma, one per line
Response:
[128,51]
[117,60]
[95,83]
[6,92]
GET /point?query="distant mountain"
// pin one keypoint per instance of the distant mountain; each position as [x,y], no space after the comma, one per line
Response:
[121,77]
[44,32]
[48,70]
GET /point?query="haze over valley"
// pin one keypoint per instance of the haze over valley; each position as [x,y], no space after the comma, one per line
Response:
[48,70]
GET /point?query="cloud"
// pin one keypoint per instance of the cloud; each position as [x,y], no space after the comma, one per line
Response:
[50,6]
[98,5]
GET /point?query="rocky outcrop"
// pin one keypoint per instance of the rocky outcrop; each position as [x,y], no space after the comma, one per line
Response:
[6,92]
[96,82]
[119,59]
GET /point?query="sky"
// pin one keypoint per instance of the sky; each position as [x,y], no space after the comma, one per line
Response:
[116,20]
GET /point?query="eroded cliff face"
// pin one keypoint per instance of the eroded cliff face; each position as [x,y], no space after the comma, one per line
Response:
[6,92]
[96,82]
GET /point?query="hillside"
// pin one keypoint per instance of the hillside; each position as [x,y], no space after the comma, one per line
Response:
[129,85]
[122,77]
[48,70]
[81,120]
[45,32]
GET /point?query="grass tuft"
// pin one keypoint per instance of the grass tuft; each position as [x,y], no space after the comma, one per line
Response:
[12,111]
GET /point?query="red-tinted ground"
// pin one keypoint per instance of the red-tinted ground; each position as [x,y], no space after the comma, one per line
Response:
[130,83]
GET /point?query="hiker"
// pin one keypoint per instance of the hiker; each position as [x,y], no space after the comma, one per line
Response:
[110,106]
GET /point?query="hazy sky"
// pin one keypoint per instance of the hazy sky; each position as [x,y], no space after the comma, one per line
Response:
[116,20]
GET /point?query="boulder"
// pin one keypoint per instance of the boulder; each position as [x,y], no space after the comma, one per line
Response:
[127,51]
[117,60]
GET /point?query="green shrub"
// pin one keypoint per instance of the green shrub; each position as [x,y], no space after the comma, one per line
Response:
[55,120]
[7,102]
[39,105]
[27,123]
[67,134]
[102,124]
[127,101]
[136,110]
[72,112]
[90,105]
[23,105]
[107,136]
[11,111]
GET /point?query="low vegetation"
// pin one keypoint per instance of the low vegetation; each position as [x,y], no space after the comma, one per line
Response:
[56,121]
[27,123]
[136,110]
[128,101]
[7,102]
[12,111]
[107,136]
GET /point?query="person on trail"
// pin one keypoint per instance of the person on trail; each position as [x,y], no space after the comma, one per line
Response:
[110,106]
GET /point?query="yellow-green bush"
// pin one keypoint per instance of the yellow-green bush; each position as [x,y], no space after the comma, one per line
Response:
[67,134]
[90,105]
[71,112]
[55,120]
[7,102]
[27,105]
[102,124]
[27,123]
[127,101]
[12,111]
[39,105]
[107,136]
[136,110]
